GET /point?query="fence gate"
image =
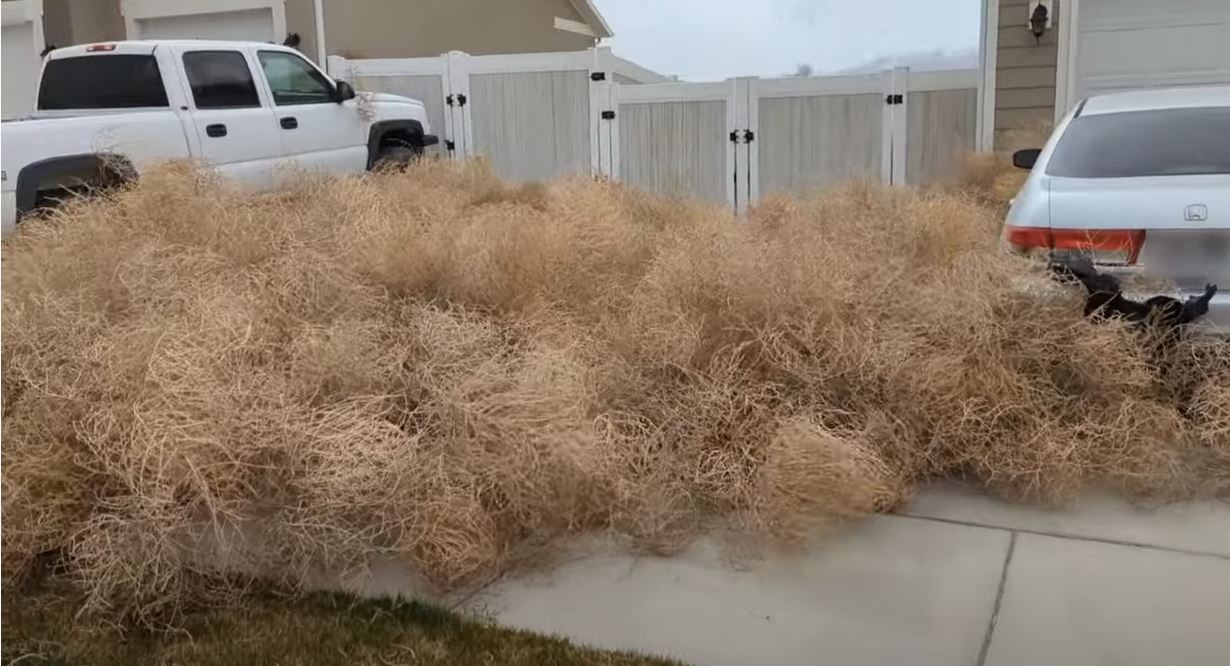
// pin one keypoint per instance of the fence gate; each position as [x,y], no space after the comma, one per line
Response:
[812,132]
[675,138]
[941,124]
[529,115]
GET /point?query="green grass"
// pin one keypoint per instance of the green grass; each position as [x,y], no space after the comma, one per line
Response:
[39,628]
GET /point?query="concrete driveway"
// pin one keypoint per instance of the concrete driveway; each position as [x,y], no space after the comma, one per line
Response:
[956,579]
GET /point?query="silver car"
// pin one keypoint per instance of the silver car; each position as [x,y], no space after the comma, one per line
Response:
[1139,183]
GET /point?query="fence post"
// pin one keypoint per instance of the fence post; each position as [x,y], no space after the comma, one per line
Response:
[458,96]
[747,119]
[601,95]
[901,123]
[735,131]
[753,148]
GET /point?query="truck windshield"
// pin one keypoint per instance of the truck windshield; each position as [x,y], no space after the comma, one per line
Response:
[119,81]
[1170,142]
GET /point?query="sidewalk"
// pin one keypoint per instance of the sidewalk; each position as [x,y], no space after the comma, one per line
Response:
[956,579]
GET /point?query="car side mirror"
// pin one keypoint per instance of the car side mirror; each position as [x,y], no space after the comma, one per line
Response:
[344,92]
[1026,159]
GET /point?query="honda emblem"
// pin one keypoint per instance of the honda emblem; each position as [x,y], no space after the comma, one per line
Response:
[1196,213]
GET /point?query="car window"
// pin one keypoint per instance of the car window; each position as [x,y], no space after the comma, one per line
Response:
[1170,142]
[294,81]
[220,80]
[116,81]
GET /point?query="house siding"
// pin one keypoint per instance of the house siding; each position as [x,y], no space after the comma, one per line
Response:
[301,19]
[68,22]
[370,28]
[400,29]
[1025,76]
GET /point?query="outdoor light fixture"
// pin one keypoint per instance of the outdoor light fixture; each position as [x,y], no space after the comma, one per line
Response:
[1039,18]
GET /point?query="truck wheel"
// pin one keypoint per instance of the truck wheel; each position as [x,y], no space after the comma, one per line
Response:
[396,156]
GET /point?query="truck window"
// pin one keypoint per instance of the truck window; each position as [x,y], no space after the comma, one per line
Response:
[116,81]
[220,80]
[294,81]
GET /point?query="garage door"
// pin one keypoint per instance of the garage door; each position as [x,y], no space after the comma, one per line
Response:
[246,25]
[19,54]
[1134,44]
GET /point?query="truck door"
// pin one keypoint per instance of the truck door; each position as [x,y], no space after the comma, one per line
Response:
[318,132]
[234,121]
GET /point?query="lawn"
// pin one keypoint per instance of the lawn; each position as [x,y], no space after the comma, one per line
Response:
[40,628]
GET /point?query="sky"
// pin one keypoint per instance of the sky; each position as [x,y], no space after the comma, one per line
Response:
[710,40]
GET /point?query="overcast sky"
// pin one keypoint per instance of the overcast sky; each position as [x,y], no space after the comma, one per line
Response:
[704,40]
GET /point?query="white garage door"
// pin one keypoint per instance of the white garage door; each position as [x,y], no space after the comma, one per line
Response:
[21,66]
[1133,44]
[246,25]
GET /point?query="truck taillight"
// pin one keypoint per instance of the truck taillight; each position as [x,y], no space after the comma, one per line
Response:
[96,48]
[1103,246]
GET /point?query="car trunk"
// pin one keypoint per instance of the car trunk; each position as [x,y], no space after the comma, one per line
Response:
[1186,220]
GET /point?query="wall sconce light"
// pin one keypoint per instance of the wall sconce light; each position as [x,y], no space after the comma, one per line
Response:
[1039,18]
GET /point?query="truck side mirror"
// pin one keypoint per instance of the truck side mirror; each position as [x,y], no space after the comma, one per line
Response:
[344,92]
[1026,159]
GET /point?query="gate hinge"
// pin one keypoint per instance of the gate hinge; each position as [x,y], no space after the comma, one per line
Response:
[461,100]
[893,100]
[450,144]
[448,100]
[608,115]
[746,136]
[597,76]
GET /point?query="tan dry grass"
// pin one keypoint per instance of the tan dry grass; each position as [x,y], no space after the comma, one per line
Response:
[442,367]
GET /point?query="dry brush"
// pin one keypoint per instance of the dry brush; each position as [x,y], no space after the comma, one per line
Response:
[445,368]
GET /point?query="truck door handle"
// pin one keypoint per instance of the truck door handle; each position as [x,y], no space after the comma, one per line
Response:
[289,122]
[215,130]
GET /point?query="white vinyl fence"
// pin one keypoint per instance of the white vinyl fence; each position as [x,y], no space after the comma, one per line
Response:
[538,116]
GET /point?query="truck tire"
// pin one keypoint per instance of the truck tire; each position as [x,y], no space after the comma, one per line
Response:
[396,156]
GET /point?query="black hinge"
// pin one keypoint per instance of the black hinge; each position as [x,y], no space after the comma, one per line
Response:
[450,144]
[597,76]
[749,136]
[448,100]
[746,136]
[608,115]
[461,100]
[734,136]
[893,100]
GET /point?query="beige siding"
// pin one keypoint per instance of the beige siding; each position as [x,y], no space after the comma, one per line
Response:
[1025,75]
[57,23]
[301,18]
[370,28]
[68,22]
[402,29]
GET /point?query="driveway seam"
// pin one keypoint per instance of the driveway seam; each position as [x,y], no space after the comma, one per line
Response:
[999,600]
[1069,537]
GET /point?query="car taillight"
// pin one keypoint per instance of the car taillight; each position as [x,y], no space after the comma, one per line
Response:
[95,48]
[1103,246]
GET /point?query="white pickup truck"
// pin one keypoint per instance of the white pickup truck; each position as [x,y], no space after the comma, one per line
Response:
[253,111]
